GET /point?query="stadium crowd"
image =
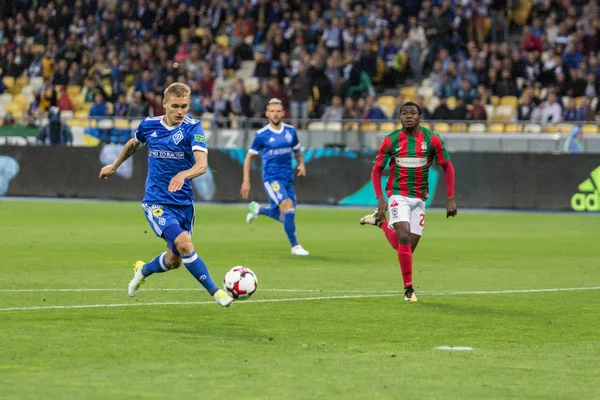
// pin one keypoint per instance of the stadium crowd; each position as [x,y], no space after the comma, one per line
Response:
[331,60]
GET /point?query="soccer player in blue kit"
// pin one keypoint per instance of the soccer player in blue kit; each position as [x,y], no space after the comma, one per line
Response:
[177,153]
[276,142]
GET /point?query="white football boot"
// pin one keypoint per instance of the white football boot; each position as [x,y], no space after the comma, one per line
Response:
[298,250]
[223,298]
[138,279]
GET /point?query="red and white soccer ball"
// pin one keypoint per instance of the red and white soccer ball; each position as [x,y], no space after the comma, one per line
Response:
[240,282]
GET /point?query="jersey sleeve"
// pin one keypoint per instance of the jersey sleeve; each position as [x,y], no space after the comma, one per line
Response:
[139,133]
[295,141]
[197,138]
[256,144]
[383,155]
[439,149]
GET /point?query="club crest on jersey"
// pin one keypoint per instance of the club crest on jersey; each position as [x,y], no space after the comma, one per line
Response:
[423,146]
[157,211]
[275,186]
[288,136]
[178,137]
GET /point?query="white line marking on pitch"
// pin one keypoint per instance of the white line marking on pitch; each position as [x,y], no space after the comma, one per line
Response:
[363,296]
[454,348]
[434,293]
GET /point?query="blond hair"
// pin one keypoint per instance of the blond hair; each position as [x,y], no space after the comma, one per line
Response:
[274,101]
[177,89]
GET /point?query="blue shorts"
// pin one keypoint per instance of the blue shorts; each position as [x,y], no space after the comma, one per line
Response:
[160,217]
[279,190]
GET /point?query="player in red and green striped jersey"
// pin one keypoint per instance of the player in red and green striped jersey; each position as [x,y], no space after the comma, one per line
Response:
[409,152]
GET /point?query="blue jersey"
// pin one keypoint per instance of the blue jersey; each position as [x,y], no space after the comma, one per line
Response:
[170,151]
[276,148]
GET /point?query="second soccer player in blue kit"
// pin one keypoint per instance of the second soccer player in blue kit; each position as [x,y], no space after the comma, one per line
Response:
[276,142]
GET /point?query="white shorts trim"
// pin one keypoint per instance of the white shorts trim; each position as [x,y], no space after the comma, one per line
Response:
[406,209]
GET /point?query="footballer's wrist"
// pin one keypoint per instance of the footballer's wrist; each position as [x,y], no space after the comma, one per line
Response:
[450,198]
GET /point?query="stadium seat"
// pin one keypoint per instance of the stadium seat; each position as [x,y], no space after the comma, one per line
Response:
[565,128]
[589,129]
[441,127]
[409,92]
[206,124]
[251,84]
[495,100]
[477,128]
[425,125]
[513,128]
[316,126]
[496,128]
[451,102]
[551,128]
[121,124]
[9,82]
[333,126]
[199,32]
[66,115]
[81,114]
[489,111]
[388,103]
[511,101]
[426,91]
[6,98]
[37,82]
[503,113]
[105,124]
[458,128]
[521,12]
[387,127]
[73,91]
[368,127]
[222,40]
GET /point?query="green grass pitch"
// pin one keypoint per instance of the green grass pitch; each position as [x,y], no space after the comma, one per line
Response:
[347,334]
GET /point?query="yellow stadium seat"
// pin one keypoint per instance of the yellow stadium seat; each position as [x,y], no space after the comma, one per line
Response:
[477,127]
[22,81]
[551,128]
[513,128]
[21,100]
[388,103]
[512,101]
[459,127]
[121,124]
[565,128]
[409,91]
[368,127]
[496,128]
[495,100]
[451,102]
[9,82]
[589,128]
[82,114]
[222,40]
[425,125]
[503,113]
[15,109]
[199,32]
[387,127]
[206,124]
[441,127]
[90,141]
[73,90]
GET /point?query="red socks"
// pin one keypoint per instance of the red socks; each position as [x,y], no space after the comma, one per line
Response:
[390,234]
[405,258]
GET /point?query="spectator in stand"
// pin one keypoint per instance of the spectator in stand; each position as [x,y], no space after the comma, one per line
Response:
[372,110]
[549,112]
[526,108]
[120,107]
[530,42]
[585,111]
[459,113]
[99,109]
[570,112]
[64,102]
[334,112]
[477,112]
[220,107]
[240,101]
[300,91]
[441,112]
[55,132]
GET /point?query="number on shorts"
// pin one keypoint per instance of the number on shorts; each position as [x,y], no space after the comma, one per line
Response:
[422,221]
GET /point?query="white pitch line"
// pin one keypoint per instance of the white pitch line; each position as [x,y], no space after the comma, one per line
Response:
[363,296]
[434,292]
[188,290]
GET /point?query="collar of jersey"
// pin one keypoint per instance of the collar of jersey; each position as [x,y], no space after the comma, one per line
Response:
[162,122]
[274,131]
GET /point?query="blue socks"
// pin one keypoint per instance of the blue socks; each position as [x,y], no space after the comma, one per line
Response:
[155,266]
[270,212]
[198,269]
[290,226]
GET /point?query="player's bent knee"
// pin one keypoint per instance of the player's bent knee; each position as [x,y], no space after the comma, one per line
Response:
[286,205]
[173,262]
[184,245]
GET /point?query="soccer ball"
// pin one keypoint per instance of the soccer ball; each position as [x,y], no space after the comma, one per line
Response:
[240,282]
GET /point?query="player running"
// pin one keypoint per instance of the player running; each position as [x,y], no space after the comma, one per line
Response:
[177,153]
[409,152]
[276,142]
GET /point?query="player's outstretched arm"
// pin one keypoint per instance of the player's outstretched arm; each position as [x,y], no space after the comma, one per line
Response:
[130,147]
[245,190]
[300,160]
[200,167]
